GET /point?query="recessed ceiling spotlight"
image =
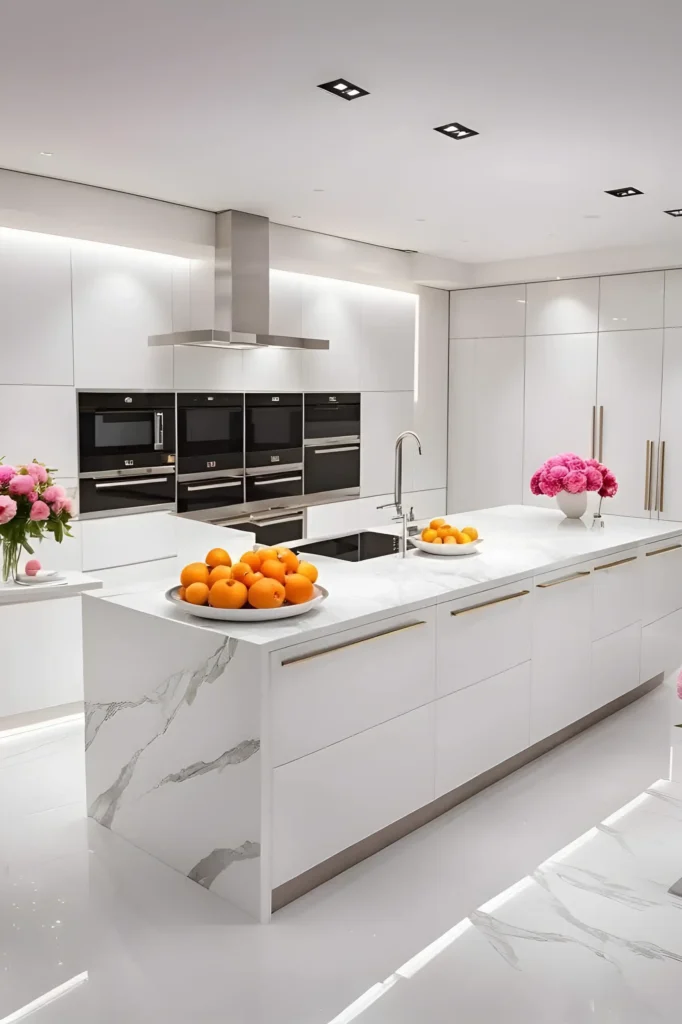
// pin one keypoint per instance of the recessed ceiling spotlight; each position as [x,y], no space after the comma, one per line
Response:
[318,190]
[345,89]
[621,193]
[673,213]
[455,130]
[421,220]
[296,216]
[45,152]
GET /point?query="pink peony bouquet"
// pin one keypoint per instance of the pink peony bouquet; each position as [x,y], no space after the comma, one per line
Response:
[571,473]
[31,505]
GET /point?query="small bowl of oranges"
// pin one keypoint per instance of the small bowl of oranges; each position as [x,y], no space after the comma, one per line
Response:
[270,583]
[439,538]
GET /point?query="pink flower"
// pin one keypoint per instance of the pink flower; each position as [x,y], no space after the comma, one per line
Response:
[8,509]
[679,686]
[556,460]
[54,493]
[62,505]
[21,484]
[559,473]
[575,482]
[610,486]
[535,482]
[549,485]
[38,472]
[6,474]
[39,511]
[33,496]
[575,463]
[594,478]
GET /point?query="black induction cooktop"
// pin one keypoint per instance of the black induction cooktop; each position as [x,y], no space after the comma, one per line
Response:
[353,547]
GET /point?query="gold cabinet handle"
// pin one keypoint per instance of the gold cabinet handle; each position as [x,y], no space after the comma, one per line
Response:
[647,477]
[594,431]
[351,643]
[601,433]
[663,551]
[487,604]
[564,579]
[661,475]
[612,565]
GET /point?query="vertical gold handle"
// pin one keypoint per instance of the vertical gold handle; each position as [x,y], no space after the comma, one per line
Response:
[661,475]
[601,433]
[647,478]
[594,431]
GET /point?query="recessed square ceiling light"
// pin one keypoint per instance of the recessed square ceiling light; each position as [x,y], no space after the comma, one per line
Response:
[455,130]
[621,193]
[345,89]
[673,213]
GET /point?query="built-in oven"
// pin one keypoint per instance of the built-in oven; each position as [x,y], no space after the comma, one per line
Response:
[273,430]
[203,491]
[210,432]
[332,444]
[283,527]
[126,452]
[271,486]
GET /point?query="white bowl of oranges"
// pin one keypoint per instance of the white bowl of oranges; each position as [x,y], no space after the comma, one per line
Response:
[439,538]
[270,583]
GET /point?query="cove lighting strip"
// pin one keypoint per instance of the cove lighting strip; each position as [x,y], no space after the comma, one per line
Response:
[25,730]
[44,1000]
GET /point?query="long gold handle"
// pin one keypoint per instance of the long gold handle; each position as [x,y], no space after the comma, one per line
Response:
[662,551]
[487,604]
[661,475]
[601,433]
[594,431]
[564,579]
[647,478]
[351,643]
[612,565]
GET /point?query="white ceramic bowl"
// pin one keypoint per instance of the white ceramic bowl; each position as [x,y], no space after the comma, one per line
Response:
[287,611]
[449,550]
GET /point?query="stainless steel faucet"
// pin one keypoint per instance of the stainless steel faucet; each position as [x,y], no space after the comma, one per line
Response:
[398,485]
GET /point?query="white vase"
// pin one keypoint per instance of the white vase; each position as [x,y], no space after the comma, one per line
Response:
[573,506]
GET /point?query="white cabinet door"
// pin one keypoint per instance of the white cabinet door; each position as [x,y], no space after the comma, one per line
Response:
[629,374]
[615,665]
[488,312]
[617,592]
[323,803]
[561,393]
[331,310]
[481,726]
[389,320]
[40,423]
[662,573]
[661,646]
[126,540]
[385,414]
[670,467]
[485,432]
[561,690]
[35,310]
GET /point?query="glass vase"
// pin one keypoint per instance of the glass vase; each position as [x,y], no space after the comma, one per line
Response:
[11,551]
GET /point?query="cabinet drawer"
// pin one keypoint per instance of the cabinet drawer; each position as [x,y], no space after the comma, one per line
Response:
[661,646]
[615,665]
[483,635]
[481,726]
[561,650]
[327,801]
[617,593]
[326,690]
[662,579]
[125,540]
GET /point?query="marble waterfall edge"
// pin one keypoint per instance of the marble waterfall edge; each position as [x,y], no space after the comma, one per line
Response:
[172,732]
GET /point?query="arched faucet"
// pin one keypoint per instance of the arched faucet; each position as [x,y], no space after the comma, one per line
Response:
[398,484]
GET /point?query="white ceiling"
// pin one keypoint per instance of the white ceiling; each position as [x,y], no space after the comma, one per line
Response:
[213,103]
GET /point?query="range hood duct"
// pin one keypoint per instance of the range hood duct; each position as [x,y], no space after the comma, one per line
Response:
[242,291]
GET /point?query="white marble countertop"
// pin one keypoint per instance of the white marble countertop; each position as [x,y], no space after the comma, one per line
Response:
[76,583]
[518,541]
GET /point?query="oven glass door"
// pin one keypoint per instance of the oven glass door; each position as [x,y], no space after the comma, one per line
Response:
[332,468]
[272,486]
[102,496]
[207,431]
[273,428]
[118,432]
[194,496]
[332,416]
[282,529]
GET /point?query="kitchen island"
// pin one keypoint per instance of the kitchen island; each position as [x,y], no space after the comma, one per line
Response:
[264,758]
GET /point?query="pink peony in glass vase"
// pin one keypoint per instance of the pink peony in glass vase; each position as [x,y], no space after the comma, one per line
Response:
[568,478]
[31,506]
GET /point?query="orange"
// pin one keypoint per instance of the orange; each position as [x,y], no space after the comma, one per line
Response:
[464,538]
[195,572]
[218,556]
[267,555]
[436,523]
[273,569]
[252,578]
[298,588]
[251,558]
[240,570]
[221,572]
[181,593]
[228,594]
[288,559]
[449,539]
[429,536]
[266,593]
[438,540]
[309,570]
[197,593]
[443,531]
[472,531]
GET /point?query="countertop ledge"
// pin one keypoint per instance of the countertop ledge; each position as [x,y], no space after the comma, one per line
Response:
[76,583]
[519,542]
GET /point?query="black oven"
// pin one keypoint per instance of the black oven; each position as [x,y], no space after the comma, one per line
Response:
[332,444]
[201,491]
[332,417]
[124,491]
[268,487]
[273,430]
[210,432]
[272,528]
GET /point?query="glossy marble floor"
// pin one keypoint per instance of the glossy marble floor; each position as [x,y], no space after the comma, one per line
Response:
[424,931]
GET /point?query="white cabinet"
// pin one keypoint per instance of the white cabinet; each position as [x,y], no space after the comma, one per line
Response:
[629,392]
[662,572]
[560,397]
[120,297]
[615,665]
[272,369]
[485,426]
[617,586]
[481,726]
[482,635]
[673,298]
[325,691]
[35,310]
[630,302]
[332,310]
[561,650]
[670,467]
[389,320]
[40,423]
[431,390]
[488,312]
[661,646]
[385,414]
[333,798]
[563,307]
[127,540]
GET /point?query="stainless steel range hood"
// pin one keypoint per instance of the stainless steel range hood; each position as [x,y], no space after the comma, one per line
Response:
[242,291]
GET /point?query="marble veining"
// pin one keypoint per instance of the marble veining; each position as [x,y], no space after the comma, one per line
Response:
[208,869]
[243,750]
